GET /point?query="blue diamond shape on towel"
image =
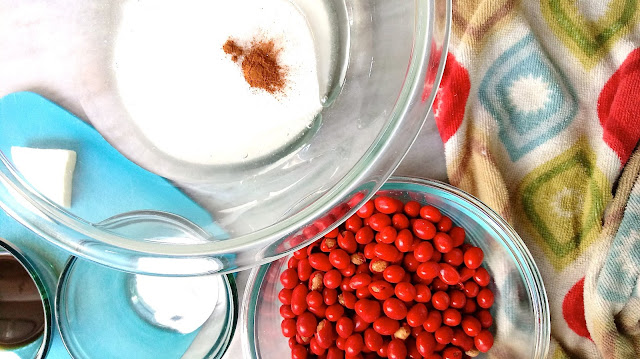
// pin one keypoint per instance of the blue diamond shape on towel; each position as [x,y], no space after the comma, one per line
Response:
[620,274]
[529,98]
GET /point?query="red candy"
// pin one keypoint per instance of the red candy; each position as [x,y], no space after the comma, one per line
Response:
[424,229]
[306,324]
[482,277]
[433,322]
[354,345]
[314,299]
[431,213]
[423,293]
[360,280]
[348,244]
[387,252]
[404,240]
[396,349]
[400,221]
[451,353]
[387,235]
[445,224]
[443,243]
[288,327]
[485,298]
[332,279]
[368,310]
[412,208]
[394,274]
[394,308]
[378,221]
[372,339]
[405,291]
[353,223]
[285,296]
[324,334]
[344,327]
[396,280]
[364,235]
[457,299]
[417,315]
[387,205]
[451,317]
[426,343]
[298,352]
[443,335]
[289,278]
[423,251]
[386,326]
[366,210]
[485,318]
[299,299]
[483,341]
[471,325]
[320,261]
[428,270]
[449,274]
[440,300]
[334,312]
[473,257]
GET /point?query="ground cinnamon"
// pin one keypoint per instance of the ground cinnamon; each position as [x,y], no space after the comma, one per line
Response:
[259,64]
[230,47]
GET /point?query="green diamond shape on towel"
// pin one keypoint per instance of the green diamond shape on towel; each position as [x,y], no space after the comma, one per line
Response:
[563,202]
[590,37]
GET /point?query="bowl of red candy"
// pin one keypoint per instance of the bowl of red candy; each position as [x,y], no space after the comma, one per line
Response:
[422,270]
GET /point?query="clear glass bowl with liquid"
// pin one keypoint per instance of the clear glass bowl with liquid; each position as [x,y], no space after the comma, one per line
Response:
[102,312]
[521,311]
[387,61]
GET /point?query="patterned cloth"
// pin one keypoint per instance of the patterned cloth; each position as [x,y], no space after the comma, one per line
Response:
[539,112]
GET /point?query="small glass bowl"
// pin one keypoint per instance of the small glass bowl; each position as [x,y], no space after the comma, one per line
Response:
[39,346]
[521,311]
[101,315]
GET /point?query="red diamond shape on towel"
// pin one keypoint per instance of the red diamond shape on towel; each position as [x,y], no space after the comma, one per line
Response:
[573,310]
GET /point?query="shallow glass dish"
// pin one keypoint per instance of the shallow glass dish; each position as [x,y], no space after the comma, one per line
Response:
[390,58]
[101,314]
[521,312]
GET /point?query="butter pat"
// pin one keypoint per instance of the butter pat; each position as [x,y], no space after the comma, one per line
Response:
[49,171]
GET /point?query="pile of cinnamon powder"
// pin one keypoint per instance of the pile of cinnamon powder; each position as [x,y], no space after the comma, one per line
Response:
[259,64]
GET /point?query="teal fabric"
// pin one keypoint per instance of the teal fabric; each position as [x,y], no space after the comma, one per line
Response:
[621,270]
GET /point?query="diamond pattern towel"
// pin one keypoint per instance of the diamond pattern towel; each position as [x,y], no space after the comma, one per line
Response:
[539,112]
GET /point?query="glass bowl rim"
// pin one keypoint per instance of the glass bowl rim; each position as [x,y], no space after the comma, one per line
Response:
[524,262]
[218,349]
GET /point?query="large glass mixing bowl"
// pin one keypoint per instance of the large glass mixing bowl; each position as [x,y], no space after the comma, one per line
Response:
[389,58]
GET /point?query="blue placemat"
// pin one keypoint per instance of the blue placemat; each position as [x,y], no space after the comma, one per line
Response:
[105,182]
